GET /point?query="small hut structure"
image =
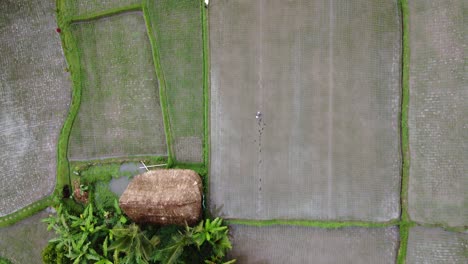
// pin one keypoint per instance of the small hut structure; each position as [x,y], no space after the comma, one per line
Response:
[164,197]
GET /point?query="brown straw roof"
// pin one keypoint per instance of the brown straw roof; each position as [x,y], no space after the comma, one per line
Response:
[171,196]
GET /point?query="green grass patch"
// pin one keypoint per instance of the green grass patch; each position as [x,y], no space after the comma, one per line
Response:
[106,13]
[5,261]
[26,211]
[148,160]
[120,113]
[405,220]
[72,206]
[404,112]
[176,33]
[103,197]
[91,172]
[162,83]
[99,173]
[197,167]
[403,247]
[206,88]
[73,60]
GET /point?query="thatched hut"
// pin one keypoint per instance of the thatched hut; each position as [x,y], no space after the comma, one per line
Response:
[164,197]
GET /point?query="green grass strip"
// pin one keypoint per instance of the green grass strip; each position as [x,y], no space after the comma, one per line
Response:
[206,90]
[404,113]
[148,160]
[403,247]
[106,13]
[405,219]
[311,223]
[162,83]
[206,105]
[26,211]
[200,168]
[70,50]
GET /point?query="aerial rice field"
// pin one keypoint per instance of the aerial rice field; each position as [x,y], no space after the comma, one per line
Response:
[438,113]
[304,244]
[35,93]
[24,241]
[434,245]
[120,113]
[178,38]
[305,105]
[326,131]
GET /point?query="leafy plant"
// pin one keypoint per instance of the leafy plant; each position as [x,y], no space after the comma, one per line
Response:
[50,254]
[103,197]
[78,237]
[4,261]
[215,234]
[133,243]
[211,234]
[106,236]
[171,254]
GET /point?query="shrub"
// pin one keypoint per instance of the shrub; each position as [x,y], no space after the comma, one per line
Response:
[93,237]
[72,207]
[99,173]
[5,261]
[51,255]
[209,237]
[103,197]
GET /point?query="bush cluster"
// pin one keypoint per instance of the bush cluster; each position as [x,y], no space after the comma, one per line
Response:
[107,236]
[4,261]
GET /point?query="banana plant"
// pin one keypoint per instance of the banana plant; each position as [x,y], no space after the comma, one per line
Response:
[59,224]
[207,232]
[76,234]
[215,234]
[87,222]
[171,254]
[83,254]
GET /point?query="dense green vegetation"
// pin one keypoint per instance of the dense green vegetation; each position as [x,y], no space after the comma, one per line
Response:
[73,61]
[99,231]
[105,235]
[4,261]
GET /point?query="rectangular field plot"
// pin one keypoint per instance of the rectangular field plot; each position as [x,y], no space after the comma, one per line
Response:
[438,113]
[120,113]
[86,7]
[292,244]
[434,246]
[35,93]
[178,34]
[305,100]
[23,242]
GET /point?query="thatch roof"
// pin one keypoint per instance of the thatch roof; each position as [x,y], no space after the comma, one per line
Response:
[164,197]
